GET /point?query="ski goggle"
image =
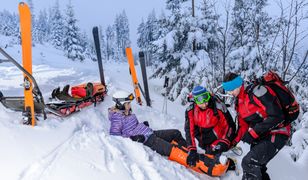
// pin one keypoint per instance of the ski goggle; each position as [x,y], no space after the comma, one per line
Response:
[127,99]
[202,98]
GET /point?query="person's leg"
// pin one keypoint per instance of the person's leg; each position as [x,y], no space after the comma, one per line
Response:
[170,135]
[265,176]
[159,145]
[259,155]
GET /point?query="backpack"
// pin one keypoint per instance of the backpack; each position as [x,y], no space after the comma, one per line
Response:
[287,100]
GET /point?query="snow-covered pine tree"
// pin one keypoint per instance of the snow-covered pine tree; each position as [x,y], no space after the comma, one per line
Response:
[42,27]
[86,43]
[110,43]
[72,42]
[34,23]
[185,66]
[102,42]
[121,27]
[252,29]
[150,34]
[56,22]
[10,24]
[141,40]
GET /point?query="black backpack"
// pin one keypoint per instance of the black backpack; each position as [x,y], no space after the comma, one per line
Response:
[287,100]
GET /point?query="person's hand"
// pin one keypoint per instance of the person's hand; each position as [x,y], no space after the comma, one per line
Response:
[138,138]
[146,123]
[192,158]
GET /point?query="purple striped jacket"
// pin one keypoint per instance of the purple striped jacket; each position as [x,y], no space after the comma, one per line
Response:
[127,125]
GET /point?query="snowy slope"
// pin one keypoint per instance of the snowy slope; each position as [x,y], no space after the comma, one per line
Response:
[79,147]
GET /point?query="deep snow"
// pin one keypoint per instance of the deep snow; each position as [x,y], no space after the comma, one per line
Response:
[79,147]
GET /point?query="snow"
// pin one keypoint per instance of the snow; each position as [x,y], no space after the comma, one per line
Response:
[80,147]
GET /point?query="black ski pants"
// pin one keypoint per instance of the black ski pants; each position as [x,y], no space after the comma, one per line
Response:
[160,141]
[261,152]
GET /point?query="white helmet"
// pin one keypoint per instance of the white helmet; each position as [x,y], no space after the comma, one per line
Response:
[121,97]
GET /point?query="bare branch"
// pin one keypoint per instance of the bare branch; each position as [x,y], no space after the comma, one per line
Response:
[294,42]
[304,60]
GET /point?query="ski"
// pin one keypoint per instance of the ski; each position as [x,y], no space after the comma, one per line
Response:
[26,44]
[132,70]
[145,78]
[98,53]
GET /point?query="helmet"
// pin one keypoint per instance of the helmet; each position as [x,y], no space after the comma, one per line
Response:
[198,90]
[121,97]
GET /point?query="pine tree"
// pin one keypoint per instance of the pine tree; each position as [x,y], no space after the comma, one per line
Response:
[102,43]
[121,27]
[72,41]
[251,30]
[42,27]
[10,24]
[35,30]
[141,40]
[110,43]
[56,27]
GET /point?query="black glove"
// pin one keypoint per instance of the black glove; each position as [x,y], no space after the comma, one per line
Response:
[146,123]
[138,138]
[247,138]
[219,148]
[192,158]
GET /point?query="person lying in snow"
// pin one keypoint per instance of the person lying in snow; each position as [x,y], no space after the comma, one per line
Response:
[168,142]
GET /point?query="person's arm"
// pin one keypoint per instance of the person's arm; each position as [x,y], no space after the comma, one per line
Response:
[115,124]
[269,102]
[242,129]
[223,130]
[190,128]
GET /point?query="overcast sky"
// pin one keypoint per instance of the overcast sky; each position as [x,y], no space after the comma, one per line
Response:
[102,12]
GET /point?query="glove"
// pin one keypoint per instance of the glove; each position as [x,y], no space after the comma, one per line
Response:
[219,148]
[247,138]
[138,138]
[146,123]
[192,158]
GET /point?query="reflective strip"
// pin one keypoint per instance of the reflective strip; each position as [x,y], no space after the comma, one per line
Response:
[253,133]
[273,138]
[280,129]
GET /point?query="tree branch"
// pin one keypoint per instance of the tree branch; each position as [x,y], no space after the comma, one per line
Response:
[304,60]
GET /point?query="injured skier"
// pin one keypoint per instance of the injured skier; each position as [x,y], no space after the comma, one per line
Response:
[168,142]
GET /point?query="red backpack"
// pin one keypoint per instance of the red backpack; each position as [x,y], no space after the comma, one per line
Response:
[287,100]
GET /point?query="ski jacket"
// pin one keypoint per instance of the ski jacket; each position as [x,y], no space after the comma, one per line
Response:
[259,113]
[210,126]
[127,125]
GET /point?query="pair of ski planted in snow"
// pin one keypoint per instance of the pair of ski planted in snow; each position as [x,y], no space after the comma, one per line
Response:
[132,71]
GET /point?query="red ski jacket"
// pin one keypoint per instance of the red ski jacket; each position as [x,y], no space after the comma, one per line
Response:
[210,126]
[259,113]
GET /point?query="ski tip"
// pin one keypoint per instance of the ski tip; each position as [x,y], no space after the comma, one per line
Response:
[22,4]
[141,54]
[95,29]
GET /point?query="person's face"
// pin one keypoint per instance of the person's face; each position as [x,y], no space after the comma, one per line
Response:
[127,106]
[203,105]
[235,92]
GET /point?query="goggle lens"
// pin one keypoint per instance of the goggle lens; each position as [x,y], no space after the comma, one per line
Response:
[202,98]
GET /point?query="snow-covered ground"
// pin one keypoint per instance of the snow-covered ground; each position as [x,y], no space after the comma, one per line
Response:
[79,147]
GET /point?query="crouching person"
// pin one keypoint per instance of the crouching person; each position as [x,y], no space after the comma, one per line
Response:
[168,142]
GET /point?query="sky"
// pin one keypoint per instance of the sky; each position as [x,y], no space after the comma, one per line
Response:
[99,12]
[102,12]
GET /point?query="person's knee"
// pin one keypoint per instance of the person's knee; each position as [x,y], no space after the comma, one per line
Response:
[249,161]
[177,132]
[246,162]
